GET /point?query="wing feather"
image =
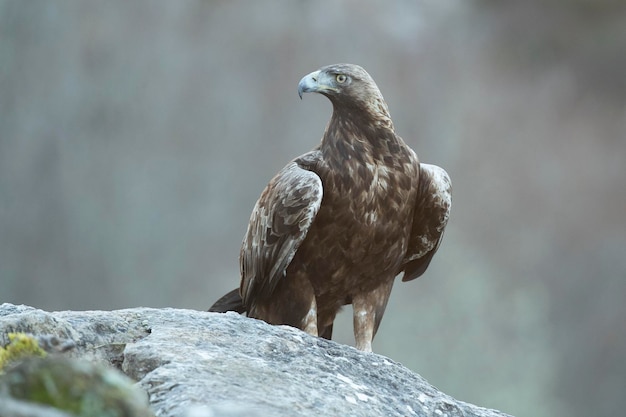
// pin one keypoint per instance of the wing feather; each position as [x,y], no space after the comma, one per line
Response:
[279,223]
[432,210]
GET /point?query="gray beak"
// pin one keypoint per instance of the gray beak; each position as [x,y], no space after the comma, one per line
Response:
[309,83]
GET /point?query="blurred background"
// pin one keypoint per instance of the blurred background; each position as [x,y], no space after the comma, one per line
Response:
[136,136]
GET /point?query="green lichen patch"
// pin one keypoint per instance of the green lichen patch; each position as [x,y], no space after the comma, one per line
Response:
[76,386]
[20,346]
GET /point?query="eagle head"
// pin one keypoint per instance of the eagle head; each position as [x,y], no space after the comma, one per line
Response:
[347,86]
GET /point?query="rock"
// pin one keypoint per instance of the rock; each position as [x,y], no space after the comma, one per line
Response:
[198,364]
[10,407]
[76,386]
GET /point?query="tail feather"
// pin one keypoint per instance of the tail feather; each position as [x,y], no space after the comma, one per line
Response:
[229,302]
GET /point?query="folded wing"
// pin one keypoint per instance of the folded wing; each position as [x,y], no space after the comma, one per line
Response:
[279,223]
[432,210]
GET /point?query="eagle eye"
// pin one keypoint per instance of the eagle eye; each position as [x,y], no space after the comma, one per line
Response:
[341,78]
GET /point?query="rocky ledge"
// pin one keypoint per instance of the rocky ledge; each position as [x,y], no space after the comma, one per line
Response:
[199,364]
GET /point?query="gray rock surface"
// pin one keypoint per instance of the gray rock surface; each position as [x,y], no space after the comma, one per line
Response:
[199,364]
[10,407]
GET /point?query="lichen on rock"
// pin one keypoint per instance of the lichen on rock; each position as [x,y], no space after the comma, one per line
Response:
[79,387]
[200,364]
[20,346]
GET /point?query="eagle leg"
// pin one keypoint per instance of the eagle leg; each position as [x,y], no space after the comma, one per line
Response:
[327,333]
[368,310]
[309,322]
[292,303]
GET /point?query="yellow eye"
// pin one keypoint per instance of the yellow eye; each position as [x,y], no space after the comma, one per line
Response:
[341,78]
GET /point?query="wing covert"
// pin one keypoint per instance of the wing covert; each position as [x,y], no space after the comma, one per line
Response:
[432,210]
[279,223]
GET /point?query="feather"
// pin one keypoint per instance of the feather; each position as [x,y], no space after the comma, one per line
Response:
[338,224]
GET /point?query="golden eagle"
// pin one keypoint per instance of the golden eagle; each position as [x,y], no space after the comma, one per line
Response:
[337,224]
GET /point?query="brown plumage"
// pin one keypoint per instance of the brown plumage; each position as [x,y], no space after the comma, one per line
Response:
[339,223]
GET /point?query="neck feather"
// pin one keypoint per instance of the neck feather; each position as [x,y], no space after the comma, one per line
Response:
[358,136]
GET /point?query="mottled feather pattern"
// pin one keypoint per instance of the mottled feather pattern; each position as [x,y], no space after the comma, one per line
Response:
[431,215]
[338,224]
[279,222]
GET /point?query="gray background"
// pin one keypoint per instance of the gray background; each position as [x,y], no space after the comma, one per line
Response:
[135,137]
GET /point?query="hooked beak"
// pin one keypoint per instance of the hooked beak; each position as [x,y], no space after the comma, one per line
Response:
[309,83]
[316,82]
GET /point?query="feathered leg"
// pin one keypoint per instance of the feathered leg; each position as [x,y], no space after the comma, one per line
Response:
[292,303]
[368,311]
